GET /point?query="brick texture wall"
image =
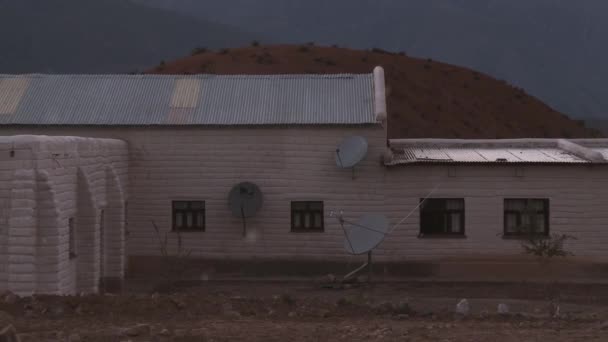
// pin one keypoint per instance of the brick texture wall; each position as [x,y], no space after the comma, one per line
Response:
[292,164]
[45,181]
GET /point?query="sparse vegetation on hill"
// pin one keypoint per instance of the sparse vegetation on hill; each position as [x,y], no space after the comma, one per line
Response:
[426,98]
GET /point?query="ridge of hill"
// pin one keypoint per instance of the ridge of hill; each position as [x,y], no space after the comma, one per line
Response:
[553,49]
[426,99]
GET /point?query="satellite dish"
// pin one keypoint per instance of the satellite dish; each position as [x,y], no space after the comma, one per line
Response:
[351,151]
[362,237]
[366,234]
[245,200]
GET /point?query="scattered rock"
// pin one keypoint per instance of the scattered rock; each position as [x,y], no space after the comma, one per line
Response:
[178,303]
[9,334]
[324,313]
[180,332]
[292,314]
[78,310]
[165,332]
[403,316]
[383,308]
[57,309]
[604,325]
[74,337]
[10,298]
[330,278]
[463,307]
[137,330]
[402,308]
[155,296]
[228,311]
[503,309]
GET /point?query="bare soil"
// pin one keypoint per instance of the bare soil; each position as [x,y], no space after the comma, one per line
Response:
[426,98]
[298,311]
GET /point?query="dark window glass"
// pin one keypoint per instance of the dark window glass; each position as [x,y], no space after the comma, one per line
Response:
[189,215]
[441,216]
[307,216]
[526,216]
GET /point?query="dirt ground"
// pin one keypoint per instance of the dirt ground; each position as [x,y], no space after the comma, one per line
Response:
[300,311]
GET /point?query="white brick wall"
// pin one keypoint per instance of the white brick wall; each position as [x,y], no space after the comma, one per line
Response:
[39,192]
[298,164]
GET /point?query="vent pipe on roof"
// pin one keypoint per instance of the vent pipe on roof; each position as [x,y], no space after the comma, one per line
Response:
[379,94]
[581,151]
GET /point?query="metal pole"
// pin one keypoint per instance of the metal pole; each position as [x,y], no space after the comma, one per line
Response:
[244,221]
[369,265]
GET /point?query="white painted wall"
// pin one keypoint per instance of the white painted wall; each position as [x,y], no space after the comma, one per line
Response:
[578,199]
[43,181]
[298,164]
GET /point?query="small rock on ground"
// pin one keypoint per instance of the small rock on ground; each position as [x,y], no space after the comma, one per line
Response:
[137,330]
[10,298]
[503,309]
[463,307]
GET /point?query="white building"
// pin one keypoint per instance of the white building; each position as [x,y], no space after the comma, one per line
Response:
[166,150]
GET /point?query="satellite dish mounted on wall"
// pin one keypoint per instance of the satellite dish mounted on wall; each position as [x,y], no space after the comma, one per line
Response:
[351,152]
[245,200]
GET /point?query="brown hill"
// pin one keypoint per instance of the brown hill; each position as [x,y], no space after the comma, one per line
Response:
[425,98]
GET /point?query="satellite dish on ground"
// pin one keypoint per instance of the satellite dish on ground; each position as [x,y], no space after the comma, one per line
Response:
[366,234]
[362,237]
[245,200]
[351,152]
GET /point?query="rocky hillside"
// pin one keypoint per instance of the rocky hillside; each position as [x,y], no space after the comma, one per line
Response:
[425,98]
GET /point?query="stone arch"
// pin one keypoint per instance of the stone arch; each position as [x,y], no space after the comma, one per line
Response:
[51,238]
[114,239]
[87,237]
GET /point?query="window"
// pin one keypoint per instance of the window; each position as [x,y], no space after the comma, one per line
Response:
[71,238]
[526,216]
[440,216]
[306,216]
[189,215]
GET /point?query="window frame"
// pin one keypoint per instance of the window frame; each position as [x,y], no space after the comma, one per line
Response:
[308,210]
[174,212]
[546,209]
[447,212]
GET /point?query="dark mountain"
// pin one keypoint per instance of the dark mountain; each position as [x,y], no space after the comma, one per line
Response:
[555,49]
[99,36]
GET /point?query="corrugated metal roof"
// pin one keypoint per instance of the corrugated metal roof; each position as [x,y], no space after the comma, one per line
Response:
[546,151]
[186,99]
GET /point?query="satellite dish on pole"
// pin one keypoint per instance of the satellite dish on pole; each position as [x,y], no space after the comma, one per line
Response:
[245,200]
[367,233]
[351,152]
[362,237]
